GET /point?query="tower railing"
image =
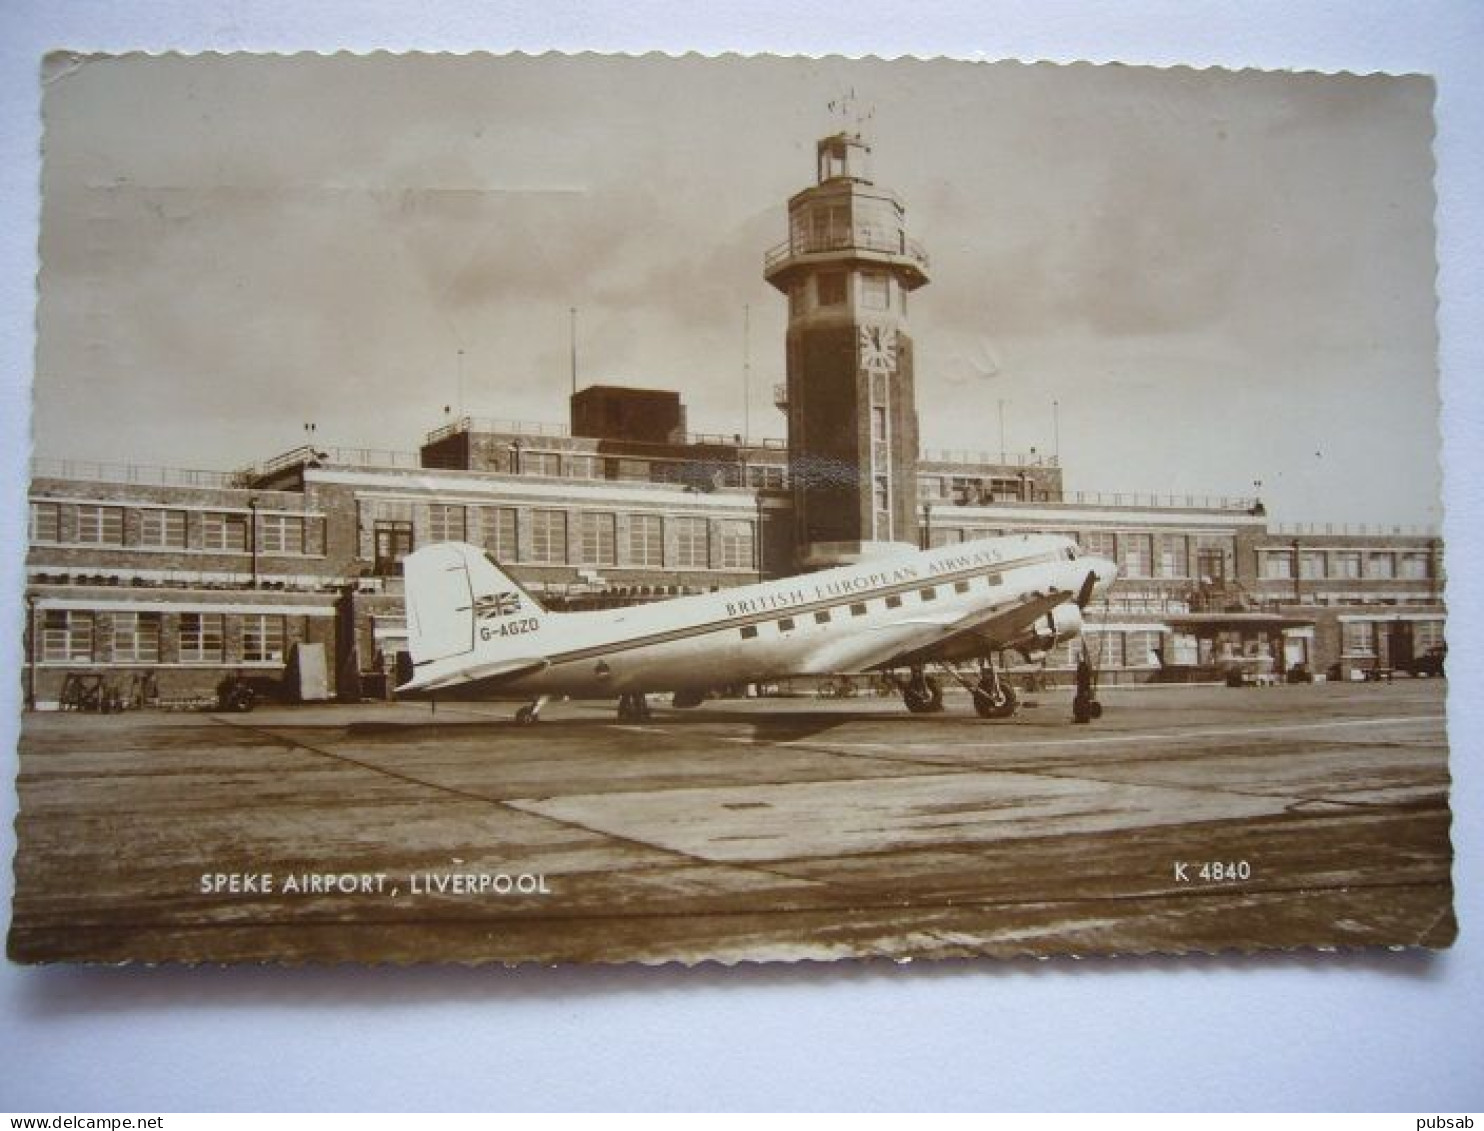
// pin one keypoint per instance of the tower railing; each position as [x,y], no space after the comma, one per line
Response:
[858,240]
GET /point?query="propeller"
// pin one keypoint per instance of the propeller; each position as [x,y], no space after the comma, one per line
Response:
[1084,595]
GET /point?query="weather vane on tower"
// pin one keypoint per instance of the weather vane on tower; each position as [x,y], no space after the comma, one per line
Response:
[851,114]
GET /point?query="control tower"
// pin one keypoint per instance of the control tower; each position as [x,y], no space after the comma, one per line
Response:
[847,268]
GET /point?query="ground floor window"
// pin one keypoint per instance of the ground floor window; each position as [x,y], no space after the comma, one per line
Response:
[599,539]
[692,549]
[136,638]
[735,544]
[499,532]
[1359,638]
[646,541]
[549,537]
[66,636]
[262,638]
[201,638]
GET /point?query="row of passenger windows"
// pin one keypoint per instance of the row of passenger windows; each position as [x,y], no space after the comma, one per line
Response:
[861,608]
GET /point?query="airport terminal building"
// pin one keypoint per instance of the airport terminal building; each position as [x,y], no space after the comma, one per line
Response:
[155,583]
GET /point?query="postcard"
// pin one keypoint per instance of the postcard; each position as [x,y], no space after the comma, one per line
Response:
[598,509]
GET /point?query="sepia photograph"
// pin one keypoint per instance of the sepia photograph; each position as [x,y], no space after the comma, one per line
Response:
[641,509]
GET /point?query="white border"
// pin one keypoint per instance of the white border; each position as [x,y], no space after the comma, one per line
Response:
[1370,1031]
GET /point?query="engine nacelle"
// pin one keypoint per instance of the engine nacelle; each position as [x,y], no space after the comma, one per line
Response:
[1061,624]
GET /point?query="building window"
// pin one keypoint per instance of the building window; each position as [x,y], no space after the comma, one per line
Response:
[1098,544]
[858,609]
[1347,565]
[945,536]
[1277,565]
[646,540]
[960,586]
[1358,638]
[633,470]
[692,549]
[1414,567]
[393,542]
[498,532]
[1311,565]
[795,300]
[1381,566]
[201,638]
[928,594]
[599,539]
[540,463]
[878,422]
[66,636]
[1426,634]
[831,288]
[1135,554]
[221,531]
[46,522]
[100,526]
[136,638]
[584,467]
[446,523]
[1174,556]
[875,291]
[549,537]
[163,530]
[822,617]
[280,534]
[1109,650]
[786,624]
[262,638]
[1141,649]
[749,631]
[735,548]
[894,601]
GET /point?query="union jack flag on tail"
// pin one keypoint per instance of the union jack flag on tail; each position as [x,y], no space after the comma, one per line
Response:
[493,605]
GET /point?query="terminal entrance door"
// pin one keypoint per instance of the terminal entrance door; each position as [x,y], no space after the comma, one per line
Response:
[1210,565]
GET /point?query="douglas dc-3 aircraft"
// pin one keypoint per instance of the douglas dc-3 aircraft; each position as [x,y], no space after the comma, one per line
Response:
[470,627]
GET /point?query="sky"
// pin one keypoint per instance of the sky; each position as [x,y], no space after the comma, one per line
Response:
[1216,277]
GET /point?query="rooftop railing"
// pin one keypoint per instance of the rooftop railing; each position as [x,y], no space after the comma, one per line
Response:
[142,474]
[1416,530]
[986,459]
[1116,499]
[540,429]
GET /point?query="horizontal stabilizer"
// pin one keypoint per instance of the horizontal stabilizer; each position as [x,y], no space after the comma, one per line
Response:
[498,670]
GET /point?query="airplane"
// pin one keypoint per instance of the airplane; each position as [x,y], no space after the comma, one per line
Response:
[472,628]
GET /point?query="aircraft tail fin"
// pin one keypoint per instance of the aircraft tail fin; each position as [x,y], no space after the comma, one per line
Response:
[455,595]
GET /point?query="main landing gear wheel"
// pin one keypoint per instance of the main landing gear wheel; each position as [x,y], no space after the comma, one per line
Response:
[994,698]
[923,695]
[633,708]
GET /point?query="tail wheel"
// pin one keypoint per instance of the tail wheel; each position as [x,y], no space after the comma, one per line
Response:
[923,697]
[995,699]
